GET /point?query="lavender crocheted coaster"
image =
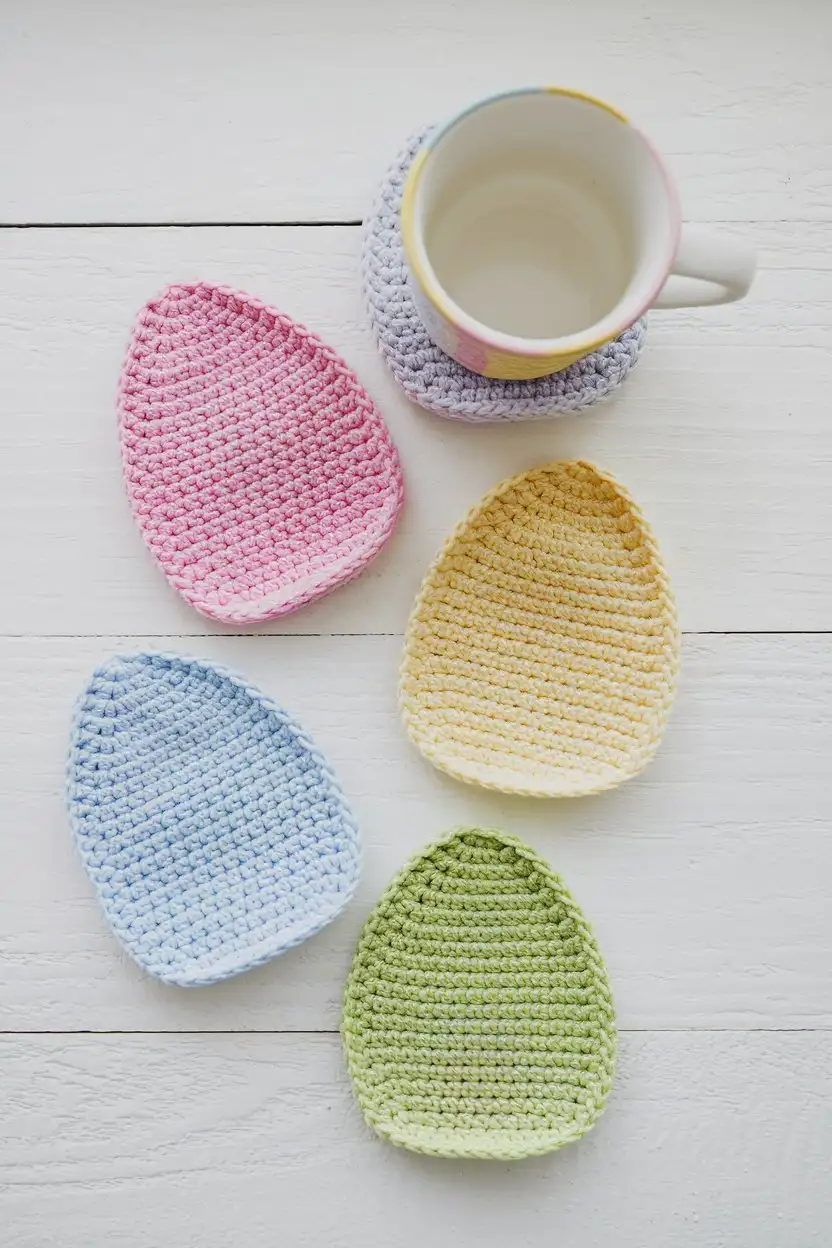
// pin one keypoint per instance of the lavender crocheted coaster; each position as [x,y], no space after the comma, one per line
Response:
[431,378]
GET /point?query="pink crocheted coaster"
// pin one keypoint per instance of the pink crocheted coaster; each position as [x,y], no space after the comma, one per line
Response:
[259,472]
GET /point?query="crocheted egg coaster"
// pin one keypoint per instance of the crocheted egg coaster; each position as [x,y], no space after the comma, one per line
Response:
[542,652]
[431,378]
[214,832]
[478,1020]
[259,472]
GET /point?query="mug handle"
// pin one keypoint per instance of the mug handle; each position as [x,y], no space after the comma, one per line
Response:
[709,268]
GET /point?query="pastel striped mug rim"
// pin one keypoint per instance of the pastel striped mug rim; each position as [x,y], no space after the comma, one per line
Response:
[639,193]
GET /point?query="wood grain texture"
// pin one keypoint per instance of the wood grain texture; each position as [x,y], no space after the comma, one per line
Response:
[705,878]
[721,434]
[206,1141]
[168,111]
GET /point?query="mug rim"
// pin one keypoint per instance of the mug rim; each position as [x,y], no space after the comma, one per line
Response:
[577,344]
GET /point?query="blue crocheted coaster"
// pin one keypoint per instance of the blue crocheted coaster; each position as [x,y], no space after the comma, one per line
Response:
[431,378]
[213,830]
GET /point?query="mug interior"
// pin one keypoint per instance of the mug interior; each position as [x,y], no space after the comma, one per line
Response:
[545,216]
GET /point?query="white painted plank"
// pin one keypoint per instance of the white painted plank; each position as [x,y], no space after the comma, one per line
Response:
[202,1142]
[706,878]
[168,111]
[721,433]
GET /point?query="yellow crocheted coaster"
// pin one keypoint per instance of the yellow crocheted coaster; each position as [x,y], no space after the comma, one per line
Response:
[542,651]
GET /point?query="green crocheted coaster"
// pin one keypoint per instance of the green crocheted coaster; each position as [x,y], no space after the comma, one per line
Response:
[478,1020]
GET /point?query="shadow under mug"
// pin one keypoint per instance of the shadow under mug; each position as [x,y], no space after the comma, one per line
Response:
[539,224]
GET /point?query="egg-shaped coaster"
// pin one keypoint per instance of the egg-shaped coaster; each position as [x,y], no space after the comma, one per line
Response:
[478,1020]
[259,472]
[431,378]
[213,830]
[542,651]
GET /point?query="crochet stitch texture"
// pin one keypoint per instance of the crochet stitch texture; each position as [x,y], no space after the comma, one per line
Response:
[542,652]
[478,1020]
[431,378]
[213,830]
[259,472]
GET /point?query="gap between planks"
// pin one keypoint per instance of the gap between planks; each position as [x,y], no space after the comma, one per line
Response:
[330,1031]
[686,632]
[317,224]
[178,225]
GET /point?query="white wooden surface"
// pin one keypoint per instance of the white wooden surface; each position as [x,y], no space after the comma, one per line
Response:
[711,1138]
[130,1115]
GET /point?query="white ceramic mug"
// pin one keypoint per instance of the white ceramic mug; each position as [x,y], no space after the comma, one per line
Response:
[540,224]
